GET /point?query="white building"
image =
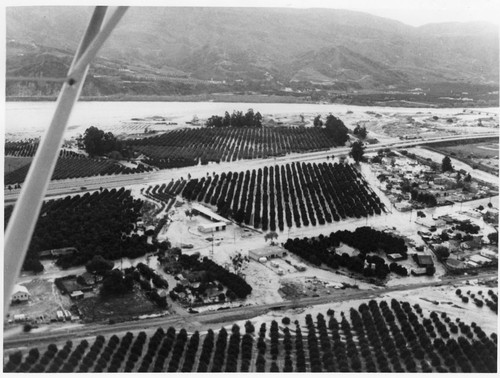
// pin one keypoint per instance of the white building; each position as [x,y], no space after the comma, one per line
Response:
[20,294]
[212,227]
[268,252]
[199,209]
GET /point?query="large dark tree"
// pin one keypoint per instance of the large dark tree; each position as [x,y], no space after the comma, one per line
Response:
[336,129]
[116,283]
[493,238]
[237,119]
[97,142]
[239,216]
[360,131]
[33,264]
[99,265]
[446,164]
[357,151]
[317,121]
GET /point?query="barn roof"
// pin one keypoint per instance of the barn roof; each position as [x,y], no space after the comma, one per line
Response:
[20,288]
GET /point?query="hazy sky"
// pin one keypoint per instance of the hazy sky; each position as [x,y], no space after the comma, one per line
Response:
[412,12]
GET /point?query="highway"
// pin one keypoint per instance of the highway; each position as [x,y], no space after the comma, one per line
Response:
[79,185]
[229,316]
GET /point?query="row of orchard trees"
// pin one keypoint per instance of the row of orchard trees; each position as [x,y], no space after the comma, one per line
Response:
[237,119]
[101,223]
[29,148]
[74,167]
[298,194]
[375,337]
[188,146]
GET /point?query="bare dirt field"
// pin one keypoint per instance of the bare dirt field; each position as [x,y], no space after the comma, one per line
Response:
[45,300]
[484,155]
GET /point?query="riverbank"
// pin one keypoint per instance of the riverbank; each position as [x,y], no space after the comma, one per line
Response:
[255,98]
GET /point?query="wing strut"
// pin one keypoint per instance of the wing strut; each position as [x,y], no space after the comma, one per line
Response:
[27,208]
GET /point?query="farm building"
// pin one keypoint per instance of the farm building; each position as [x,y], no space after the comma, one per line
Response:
[267,252]
[58,252]
[480,260]
[424,261]
[20,294]
[212,227]
[426,222]
[489,254]
[19,318]
[198,209]
[395,256]
[403,206]
[78,294]
[419,271]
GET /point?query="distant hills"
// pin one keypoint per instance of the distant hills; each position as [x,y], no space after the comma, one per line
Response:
[179,51]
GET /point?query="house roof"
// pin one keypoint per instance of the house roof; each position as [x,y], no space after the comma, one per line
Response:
[425,260]
[210,225]
[20,288]
[266,251]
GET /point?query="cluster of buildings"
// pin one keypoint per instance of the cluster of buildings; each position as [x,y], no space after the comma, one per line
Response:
[399,176]
[189,295]
[466,250]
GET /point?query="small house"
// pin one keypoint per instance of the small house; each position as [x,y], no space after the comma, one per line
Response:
[419,271]
[212,227]
[480,260]
[76,295]
[266,252]
[395,256]
[424,260]
[403,206]
[19,318]
[20,294]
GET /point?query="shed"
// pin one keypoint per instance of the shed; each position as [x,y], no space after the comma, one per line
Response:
[403,206]
[395,256]
[478,259]
[268,252]
[19,318]
[424,261]
[419,271]
[425,222]
[198,209]
[20,294]
[63,251]
[212,227]
[76,295]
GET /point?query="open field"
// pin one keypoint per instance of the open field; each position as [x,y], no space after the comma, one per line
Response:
[483,156]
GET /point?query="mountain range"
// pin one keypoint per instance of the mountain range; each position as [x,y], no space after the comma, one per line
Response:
[182,50]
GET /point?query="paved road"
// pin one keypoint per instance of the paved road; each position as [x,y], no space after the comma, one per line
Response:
[26,340]
[73,186]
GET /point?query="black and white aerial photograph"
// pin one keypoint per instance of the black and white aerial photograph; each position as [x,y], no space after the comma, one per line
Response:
[250,186]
